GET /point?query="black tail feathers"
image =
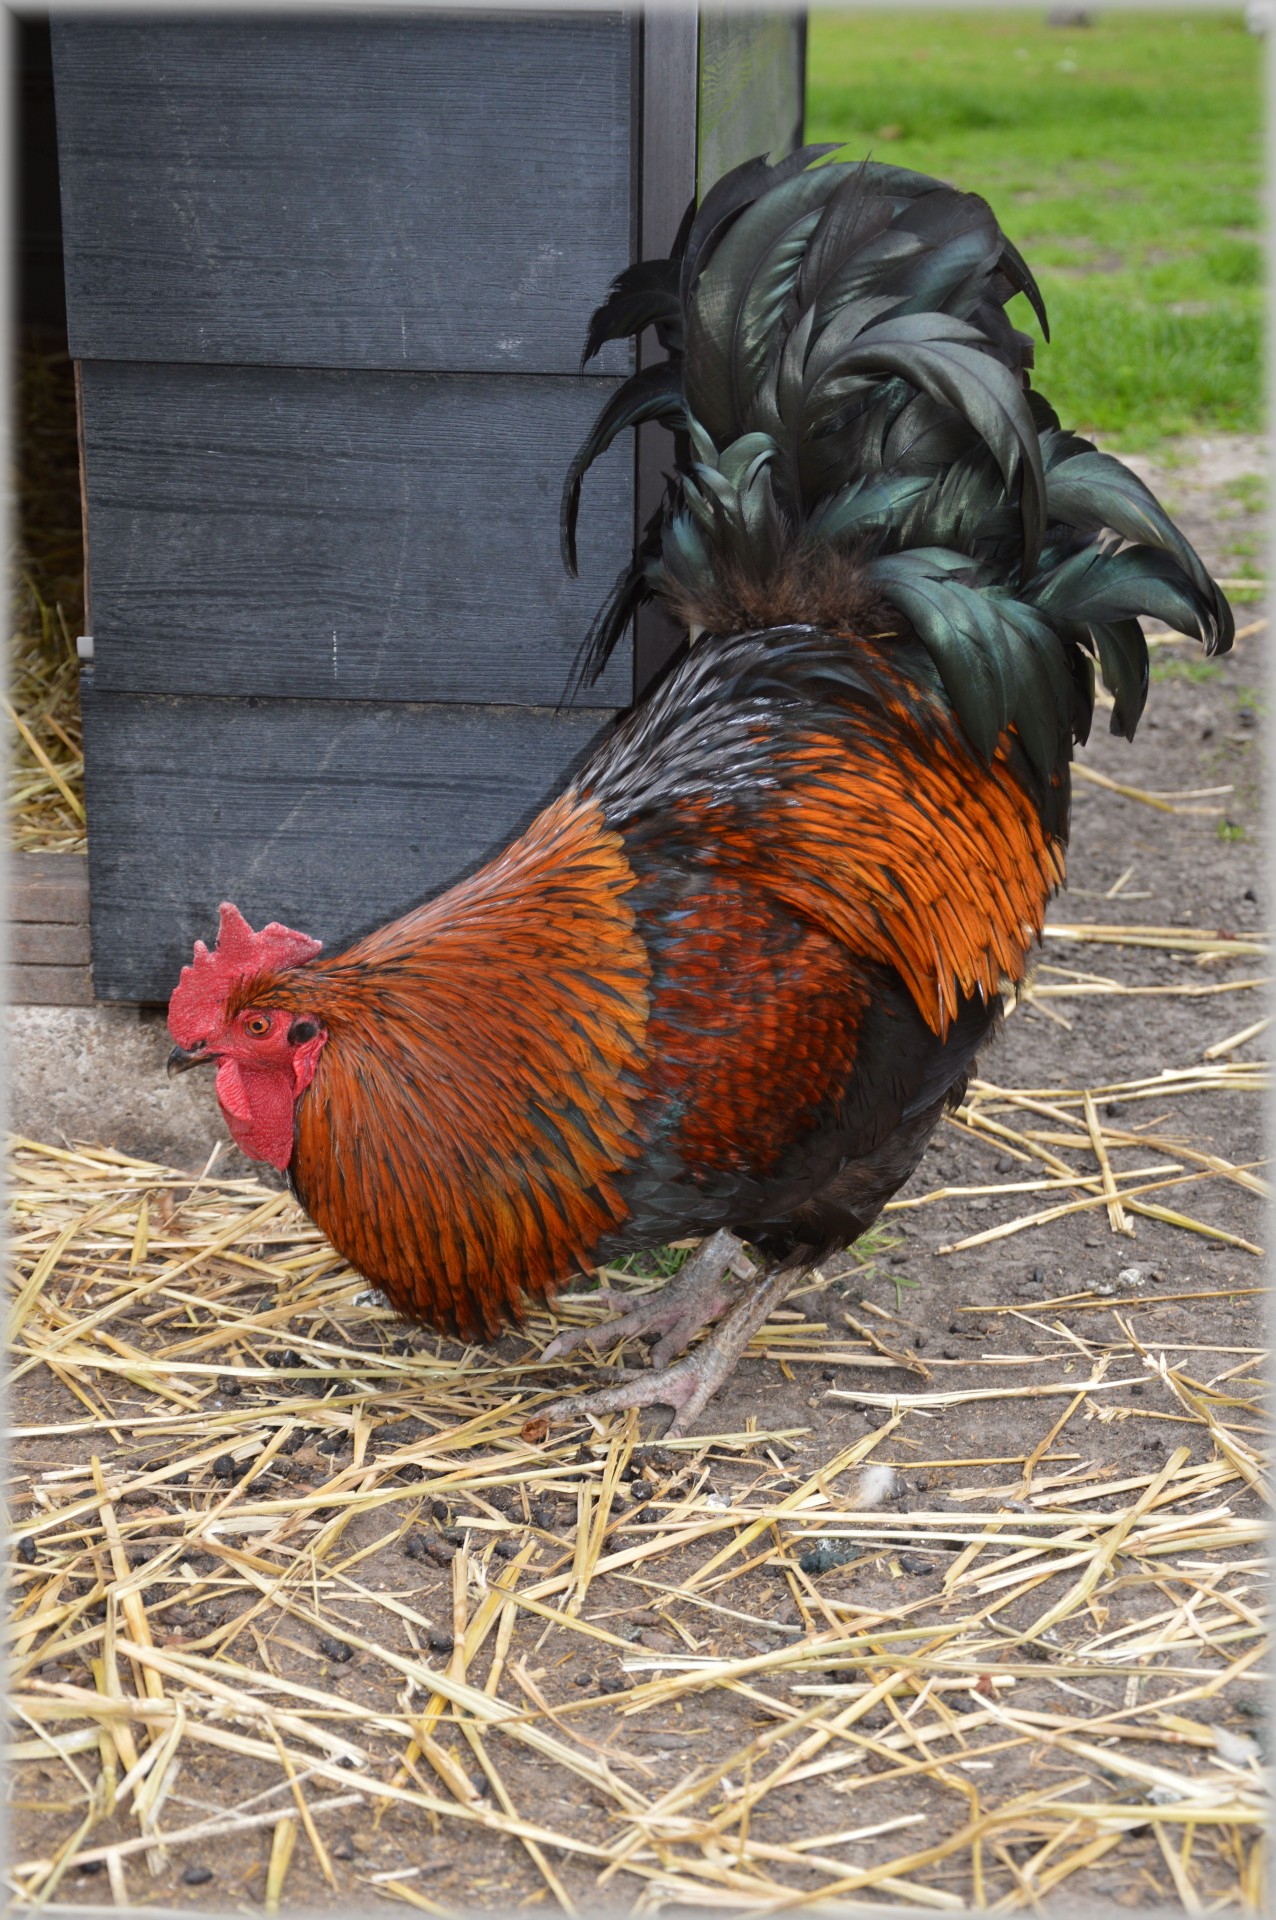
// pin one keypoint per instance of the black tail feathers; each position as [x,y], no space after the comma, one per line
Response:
[855,426]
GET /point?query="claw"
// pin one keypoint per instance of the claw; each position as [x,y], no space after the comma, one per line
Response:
[677,1387]
[573,1337]
[689,1386]
[569,1340]
[677,1311]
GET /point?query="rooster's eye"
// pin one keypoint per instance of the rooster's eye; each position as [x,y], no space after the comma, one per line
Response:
[258,1024]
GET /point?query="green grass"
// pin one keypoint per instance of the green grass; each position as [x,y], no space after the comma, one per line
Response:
[1249,490]
[662,1263]
[1126,162]
[655,1263]
[1174,668]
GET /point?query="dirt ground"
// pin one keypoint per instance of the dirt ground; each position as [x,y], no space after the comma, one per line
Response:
[823,1652]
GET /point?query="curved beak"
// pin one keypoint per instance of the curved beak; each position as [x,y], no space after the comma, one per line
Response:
[180,1061]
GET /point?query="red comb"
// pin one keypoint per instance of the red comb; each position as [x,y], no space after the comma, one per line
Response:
[200,996]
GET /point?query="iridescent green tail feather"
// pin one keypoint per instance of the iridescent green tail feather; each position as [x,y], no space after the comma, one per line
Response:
[854,421]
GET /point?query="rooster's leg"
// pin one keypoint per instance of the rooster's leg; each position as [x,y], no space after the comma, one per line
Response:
[689,1386]
[693,1299]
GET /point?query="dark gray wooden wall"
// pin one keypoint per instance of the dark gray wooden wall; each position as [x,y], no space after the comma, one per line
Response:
[327,535]
[327,280]
[414,191]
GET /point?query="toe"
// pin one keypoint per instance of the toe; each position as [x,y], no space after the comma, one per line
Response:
[567,1342]
[689,1399]
[676,1341]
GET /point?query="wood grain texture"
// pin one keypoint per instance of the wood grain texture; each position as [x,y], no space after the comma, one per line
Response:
[670,38]
[332,817]
[420,191]
[49,887]
[36,986]
[48,944]
[345,536]
[49,930]
[718,87]
[669,42]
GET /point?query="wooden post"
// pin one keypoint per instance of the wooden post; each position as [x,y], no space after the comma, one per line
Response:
[670,70]
[718,85]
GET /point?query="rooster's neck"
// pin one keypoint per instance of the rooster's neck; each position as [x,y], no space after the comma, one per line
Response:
[419,1152]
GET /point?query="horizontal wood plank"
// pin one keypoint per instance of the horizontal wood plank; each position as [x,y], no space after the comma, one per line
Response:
[332,817]
[32,943]
[50,986]
[428,190]
[345,536]
[49,887]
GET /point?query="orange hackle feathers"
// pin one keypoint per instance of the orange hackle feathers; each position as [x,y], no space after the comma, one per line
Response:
[462,1142]
[914,864]
[892,837]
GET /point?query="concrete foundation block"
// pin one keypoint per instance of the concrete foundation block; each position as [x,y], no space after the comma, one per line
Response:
[95,1075]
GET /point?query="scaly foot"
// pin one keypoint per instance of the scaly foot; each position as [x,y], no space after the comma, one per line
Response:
[691,1300]
[689,1386]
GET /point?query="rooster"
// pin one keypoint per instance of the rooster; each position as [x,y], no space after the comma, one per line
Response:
[725,984]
